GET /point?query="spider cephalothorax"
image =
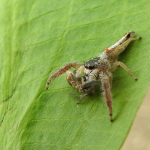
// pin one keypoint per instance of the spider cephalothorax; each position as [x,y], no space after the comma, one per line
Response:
[92,63]
[97,71]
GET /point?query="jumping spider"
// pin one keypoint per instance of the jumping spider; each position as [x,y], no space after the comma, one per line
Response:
[97,71]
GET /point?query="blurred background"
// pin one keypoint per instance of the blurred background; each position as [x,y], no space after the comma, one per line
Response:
[139,135]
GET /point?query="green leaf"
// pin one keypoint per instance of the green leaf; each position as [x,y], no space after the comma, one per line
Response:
[38,37]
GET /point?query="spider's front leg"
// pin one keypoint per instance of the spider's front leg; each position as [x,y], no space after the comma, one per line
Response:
[63,70]
[107,92]
[76,83]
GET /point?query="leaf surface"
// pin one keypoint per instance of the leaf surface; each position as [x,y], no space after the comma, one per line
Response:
[38,37]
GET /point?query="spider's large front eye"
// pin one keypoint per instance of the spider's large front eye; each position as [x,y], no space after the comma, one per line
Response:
[92,63]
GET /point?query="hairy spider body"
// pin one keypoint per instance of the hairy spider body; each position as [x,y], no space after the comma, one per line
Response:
[96,71]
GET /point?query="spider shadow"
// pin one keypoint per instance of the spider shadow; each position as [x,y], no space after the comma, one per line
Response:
[118,108]
[118,84]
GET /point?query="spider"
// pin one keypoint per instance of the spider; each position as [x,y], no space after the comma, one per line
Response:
[97,71]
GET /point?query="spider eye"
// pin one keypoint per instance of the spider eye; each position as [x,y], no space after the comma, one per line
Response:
[92,63]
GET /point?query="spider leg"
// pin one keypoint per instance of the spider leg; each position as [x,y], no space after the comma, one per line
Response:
[109,74]
[93,82]
[76,83]
[76,96]
[80,71]
[73,81]
[62,70]
[118,63]
[79,96]
[88,84]
[107,93]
